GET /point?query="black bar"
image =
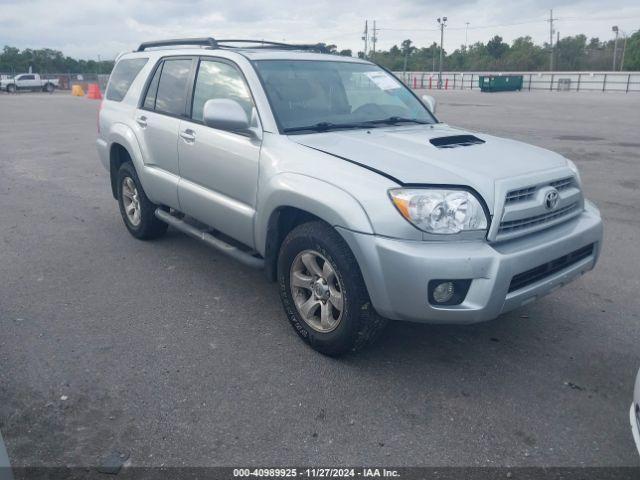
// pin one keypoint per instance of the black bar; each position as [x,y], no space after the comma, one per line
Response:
[204,41]
[266,44]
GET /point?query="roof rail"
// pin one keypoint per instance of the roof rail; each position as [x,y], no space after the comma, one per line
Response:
[317,47]
[204,41]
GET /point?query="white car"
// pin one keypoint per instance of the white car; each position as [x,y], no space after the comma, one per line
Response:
[29,81]
[634,413]
[337,180]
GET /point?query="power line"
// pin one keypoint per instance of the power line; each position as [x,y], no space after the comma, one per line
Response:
[513,24]
[374,39]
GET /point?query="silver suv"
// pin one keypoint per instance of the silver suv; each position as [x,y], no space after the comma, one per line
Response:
[338,181]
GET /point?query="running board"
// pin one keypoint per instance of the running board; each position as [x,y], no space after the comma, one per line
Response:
[223,247]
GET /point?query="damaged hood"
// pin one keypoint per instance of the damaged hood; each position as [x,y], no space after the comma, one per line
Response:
[407,155]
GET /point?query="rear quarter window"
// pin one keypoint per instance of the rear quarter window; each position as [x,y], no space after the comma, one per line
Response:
[123,75]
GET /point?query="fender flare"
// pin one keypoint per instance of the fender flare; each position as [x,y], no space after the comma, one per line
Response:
[124,136]
[324,200]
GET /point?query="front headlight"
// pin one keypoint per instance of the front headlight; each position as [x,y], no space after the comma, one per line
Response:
[440,210]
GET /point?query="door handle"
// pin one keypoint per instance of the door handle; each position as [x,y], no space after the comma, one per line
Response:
[188,135]
[142,121]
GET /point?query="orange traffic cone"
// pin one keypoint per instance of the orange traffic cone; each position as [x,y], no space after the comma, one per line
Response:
[94,92]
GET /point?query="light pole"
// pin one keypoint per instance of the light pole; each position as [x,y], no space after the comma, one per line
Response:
[615,47]
[442,21]
[466,35]
[624,49]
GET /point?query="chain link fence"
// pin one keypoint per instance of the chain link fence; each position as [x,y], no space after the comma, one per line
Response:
[625,82]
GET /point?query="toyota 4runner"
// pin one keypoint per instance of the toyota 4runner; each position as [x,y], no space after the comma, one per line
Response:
[338,181]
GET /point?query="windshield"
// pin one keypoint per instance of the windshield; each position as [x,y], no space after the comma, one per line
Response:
[309,95]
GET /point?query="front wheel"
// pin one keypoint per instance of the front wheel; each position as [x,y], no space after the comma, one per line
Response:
[323,292]
[138,212]
[11,88]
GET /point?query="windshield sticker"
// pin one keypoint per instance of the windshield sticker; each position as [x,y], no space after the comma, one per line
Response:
[382,80]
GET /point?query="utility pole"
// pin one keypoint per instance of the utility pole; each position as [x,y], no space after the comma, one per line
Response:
[365,37]
[442,21]
[374,39]
[466,36]
[624,49]
[551,31]
[615,47]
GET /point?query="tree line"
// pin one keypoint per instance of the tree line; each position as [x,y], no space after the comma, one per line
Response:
[47,60]
[569,53]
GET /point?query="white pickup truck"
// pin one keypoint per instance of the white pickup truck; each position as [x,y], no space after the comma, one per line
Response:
[28,81]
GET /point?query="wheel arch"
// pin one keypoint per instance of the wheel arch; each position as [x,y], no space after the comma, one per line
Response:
[123,147]
[295,199]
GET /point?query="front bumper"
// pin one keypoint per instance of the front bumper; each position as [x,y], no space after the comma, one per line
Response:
[397,272]
[634,417]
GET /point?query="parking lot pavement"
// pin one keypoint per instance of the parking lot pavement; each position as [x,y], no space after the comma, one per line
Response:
[175,355]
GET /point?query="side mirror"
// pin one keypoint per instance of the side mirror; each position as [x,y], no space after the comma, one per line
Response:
[429,102]
[225,114]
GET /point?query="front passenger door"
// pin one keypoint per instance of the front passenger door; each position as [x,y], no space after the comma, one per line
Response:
[219,169]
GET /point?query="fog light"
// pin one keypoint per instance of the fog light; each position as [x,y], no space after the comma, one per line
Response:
[443,292]
[446,292]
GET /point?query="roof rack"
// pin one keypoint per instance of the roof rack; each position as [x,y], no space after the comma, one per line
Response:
[317,47]
[204,42]
[210,42]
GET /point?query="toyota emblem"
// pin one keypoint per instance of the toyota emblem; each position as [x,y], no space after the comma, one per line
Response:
[551,199]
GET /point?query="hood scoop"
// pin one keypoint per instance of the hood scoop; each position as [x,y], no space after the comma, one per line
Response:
[454,141]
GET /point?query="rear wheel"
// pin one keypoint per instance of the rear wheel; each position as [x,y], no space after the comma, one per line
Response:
[49,88]
[323,292]
[138,212]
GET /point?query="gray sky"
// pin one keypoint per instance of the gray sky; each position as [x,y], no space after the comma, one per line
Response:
[86,29]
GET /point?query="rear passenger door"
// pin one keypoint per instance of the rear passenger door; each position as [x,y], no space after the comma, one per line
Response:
[219,169]
[157,122]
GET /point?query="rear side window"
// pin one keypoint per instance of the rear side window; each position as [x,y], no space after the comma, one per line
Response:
[172,87]
[123,75]
[150,99]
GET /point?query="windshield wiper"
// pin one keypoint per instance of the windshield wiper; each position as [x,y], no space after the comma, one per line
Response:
[326,126]
[394,120]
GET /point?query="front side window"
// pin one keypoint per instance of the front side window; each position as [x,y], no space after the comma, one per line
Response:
[172,87]
[123,75]
[219,80]
[326,94]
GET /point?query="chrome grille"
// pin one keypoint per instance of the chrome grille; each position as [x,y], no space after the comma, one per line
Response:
[526,223]
[527,193]
[563,184]
[519,195]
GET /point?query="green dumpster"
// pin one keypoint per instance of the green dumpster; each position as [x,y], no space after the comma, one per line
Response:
[500,83]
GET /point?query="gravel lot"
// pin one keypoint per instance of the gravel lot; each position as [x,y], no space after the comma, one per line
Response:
[175,355]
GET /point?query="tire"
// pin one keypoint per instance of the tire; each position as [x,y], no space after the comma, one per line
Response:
[145,225]
[11,88]
[49,88]
[358,324]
